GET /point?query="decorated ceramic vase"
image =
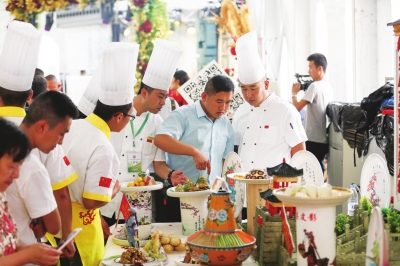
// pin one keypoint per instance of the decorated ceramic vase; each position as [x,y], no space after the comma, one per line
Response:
[141,201]
[220,242]
[193,209]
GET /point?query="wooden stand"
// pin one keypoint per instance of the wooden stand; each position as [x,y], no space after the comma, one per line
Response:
[253,200]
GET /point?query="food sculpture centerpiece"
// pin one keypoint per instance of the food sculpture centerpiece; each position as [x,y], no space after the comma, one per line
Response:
[315,220]
[220,242]
[193,201]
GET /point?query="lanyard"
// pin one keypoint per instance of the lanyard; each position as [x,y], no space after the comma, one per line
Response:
[140,129]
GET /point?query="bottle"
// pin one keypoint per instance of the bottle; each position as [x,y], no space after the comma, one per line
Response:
[353,200]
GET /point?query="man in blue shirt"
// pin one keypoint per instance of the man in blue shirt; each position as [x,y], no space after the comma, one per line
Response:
[198,137]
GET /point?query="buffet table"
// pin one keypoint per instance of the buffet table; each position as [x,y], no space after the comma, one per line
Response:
[167,228]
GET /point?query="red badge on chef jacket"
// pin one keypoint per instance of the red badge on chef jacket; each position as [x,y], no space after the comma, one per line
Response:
[150,139]
[266,126]
[66,161]
[105,182]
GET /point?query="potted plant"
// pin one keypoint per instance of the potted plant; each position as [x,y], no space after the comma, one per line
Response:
[341,221]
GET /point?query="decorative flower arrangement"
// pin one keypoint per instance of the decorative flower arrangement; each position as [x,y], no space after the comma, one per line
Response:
[25,10]
[151,23]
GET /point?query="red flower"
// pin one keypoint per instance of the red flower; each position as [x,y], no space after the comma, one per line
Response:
[8,250]
[139,3]
[146,26]
[231,182]
[233,51]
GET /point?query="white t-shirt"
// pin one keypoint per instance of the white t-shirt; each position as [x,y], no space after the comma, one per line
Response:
[56,162]
[94,159]
[30,196]
[266,134]
[318,94]
[144,144]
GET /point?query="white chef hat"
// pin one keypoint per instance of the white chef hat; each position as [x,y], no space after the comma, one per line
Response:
[250,66]
[89,98]
[162,65]
[118,73]
[19,56]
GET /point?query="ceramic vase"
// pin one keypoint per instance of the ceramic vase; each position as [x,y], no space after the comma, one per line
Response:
[193,213]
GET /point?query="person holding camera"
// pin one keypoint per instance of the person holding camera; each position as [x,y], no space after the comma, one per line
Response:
[316,98]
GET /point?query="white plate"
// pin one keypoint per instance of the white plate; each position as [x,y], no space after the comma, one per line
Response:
[250,181]
[312,172]
[377,247]
[233,164]
[297,201]
[375,182]
[125,188]
[171,192]
[152,262]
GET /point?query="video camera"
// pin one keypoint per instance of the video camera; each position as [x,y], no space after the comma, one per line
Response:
[304,84]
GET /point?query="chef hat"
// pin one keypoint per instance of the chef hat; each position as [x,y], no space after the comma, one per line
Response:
[89,98]
[250,66]
[19,56]
[118,73]
[162,65]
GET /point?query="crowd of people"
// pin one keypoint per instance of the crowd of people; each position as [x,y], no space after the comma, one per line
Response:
[61,165]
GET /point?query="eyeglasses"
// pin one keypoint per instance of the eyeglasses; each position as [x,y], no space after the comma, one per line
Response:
[131,117]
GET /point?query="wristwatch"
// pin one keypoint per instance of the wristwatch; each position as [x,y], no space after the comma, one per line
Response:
[169,177]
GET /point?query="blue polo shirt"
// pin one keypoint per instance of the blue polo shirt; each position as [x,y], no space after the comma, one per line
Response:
[190,124]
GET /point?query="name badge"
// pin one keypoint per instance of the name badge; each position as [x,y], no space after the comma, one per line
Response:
[134,162]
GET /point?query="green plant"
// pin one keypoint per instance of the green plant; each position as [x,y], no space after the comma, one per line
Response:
[393,219]
[366,204]
[142,221]
[341,221]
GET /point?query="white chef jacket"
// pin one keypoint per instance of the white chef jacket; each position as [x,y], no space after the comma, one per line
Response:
[56,162]
[266,134]
[144,143]
[93,157]
[30,196]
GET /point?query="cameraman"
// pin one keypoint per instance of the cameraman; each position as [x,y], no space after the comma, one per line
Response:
[316,97]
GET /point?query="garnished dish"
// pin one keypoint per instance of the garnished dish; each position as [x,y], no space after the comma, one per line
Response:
[142,180]
[168,242]
[256,174]
[132,256]
[189,186]
[312,191]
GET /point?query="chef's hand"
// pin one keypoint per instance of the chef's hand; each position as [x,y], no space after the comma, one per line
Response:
[69,250]
[201,161]
[295,88]
[178,177]
[38,227]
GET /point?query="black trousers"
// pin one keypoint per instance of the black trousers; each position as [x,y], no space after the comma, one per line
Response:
[320,150]
[168,209]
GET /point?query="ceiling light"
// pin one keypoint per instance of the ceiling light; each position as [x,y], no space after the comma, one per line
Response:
[191,30]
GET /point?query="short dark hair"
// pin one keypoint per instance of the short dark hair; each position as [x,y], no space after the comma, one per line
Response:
[81,115]
[14,98]
[13,141]
[39,72]
[106,112]
[146,87]
[51,106]
[319,60]
[219,83]
[182,76]
[50,77]
[39,85]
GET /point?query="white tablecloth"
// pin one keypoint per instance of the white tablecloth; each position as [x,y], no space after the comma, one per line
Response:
[167,228]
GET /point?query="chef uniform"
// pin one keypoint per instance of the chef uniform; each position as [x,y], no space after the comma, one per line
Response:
[89,98]
[265,134]
[91,153]
[30,196]
[135,144]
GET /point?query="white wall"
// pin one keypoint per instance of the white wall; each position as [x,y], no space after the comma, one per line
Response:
[356,41]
